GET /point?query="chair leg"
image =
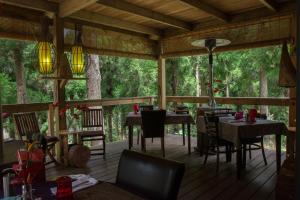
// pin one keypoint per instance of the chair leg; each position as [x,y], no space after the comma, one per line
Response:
[250,156]
[152,140]
[143,144]
[104,149]
[138,137]
[227,153]
[206,154]
[244,155]
[183,135]
[218,159]
[163,145]
[263,151]
[230,153]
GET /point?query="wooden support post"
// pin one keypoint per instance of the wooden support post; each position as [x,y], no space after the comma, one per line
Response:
[161,83]
[1,127]
[59,87]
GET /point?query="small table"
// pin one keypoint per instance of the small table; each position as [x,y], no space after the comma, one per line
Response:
[234,130]
[133,119]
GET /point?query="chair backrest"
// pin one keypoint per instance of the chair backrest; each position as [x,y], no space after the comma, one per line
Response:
[26,125]
[212,124]
[92,118]
[148,176]
[153,123]
[146,107]
[261,115]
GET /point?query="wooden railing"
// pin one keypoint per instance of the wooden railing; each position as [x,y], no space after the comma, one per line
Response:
[271,101]
[33,107]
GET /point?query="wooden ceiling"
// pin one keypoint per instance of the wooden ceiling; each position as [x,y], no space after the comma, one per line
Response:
[153,20]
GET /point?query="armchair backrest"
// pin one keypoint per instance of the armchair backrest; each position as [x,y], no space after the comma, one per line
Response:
[26,124]
[92,118]
[148,176]
[153,123]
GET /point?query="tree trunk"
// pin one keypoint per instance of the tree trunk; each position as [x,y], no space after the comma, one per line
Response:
[263,83]
[16,55]
[227,87]
[110,127]
[93,82]
[197,77]
[94,78]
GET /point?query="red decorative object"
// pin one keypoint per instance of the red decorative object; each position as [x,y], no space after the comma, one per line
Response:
[218,81]
[5,115]
[238,115]
[64,188]
[252,115]
[216,90]
[30,164]
[136,108]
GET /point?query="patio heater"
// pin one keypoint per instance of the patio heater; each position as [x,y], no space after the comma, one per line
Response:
[210,44]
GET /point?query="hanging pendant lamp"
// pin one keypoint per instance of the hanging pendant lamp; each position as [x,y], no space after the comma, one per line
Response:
[45,51]
[79,59]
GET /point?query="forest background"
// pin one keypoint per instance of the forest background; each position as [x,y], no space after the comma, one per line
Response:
[246,73]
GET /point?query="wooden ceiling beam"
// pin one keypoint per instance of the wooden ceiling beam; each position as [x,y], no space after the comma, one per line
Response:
[271,4]
[40,5]
[116,23]
[147,13]
[243,19]
[208,9]
[68,7]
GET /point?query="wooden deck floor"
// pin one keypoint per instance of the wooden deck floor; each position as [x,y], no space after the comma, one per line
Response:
[200,182]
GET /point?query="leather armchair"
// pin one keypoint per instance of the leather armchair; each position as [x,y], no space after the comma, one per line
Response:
[149,177]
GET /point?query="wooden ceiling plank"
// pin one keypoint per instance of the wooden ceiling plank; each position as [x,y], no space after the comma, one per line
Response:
[208,9]
[68,7]
[113,22]
[40,5]
[147,13]
[271,4]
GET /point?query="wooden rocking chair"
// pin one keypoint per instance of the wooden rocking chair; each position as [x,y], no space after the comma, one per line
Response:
[27,125]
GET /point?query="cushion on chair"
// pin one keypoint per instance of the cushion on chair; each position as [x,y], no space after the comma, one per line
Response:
[92,133]
[149,177]
[51,139]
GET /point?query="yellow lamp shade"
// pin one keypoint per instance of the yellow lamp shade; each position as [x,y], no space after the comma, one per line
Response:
[45,58]
[78,61]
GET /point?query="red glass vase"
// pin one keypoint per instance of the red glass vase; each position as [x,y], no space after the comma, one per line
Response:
[64,188]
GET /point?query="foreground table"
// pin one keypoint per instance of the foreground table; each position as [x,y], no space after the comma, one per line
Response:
[105,191]
[235,130]
[133,119]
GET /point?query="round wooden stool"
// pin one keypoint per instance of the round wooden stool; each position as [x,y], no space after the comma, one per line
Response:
[79,155]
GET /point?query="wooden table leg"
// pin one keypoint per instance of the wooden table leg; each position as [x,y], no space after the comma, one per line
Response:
[64,149]
[130,136]
[239,161]
[278,152]
[183,135]
[189,137]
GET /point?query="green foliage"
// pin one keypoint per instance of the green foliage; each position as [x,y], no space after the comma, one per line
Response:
[124,77]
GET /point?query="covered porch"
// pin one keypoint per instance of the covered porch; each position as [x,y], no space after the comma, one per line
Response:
[199,182]
[156,30]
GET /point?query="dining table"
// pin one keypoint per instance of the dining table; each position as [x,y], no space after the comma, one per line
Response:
[135,119]
[236,130]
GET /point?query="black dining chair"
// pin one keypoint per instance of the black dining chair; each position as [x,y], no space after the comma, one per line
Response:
[143,108]
[214,140]
[149,177]
[254,143]
[153,126]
